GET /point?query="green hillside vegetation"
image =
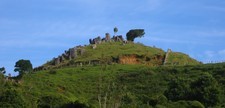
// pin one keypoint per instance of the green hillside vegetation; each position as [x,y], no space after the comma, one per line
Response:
[118,85]
[177,58]
[130,53]
[116,74]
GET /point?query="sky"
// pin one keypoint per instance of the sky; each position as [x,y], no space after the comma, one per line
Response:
[38,30]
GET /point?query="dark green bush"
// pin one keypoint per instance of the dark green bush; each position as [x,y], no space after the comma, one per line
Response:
[12,98]
[52,72]
[51,101]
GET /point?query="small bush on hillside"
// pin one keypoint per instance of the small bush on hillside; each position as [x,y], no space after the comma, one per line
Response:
[12,98]
[51,101]
[76,104]
[52,72]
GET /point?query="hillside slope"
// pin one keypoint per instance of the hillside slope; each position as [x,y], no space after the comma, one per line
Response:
[118,85]
[119,53]
[115,74]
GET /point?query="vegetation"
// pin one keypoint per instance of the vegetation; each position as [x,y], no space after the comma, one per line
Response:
[115,31]
[2,70]
[130,53]
[132,34]
[23,66]
[126,76]
[119,85]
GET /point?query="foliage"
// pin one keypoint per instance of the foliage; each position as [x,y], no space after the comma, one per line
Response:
[122,86]
[132,34]
[2,70]
[51,101]
[204,88]
[113,51]
[115,30]
[12,98]
[23,66]
[76,104]
[52,72]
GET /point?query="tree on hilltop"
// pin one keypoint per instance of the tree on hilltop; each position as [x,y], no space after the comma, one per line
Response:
[115,31]
[23,66]
[134,33]
[2,70]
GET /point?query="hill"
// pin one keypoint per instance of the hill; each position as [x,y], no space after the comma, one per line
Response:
[118,85]
[117,74]
[118,53]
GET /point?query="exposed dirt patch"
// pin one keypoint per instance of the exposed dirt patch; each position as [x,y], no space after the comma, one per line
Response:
[128,59]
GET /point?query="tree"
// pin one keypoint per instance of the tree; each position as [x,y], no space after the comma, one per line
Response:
[2,70]
[132,34]
[115,30]
[23,66]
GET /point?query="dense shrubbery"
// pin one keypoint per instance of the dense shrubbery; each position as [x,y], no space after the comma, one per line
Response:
[204,89]
[11,98]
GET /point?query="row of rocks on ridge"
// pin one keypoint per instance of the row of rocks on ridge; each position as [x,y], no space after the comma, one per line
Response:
[107,38]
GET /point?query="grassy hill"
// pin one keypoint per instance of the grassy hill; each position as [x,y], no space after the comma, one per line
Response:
[114,75]
[118,85]
[130,53]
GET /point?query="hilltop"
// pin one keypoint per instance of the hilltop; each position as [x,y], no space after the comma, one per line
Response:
[118,53]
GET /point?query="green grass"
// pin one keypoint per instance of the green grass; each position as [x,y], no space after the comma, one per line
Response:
[143,85]
[176,58]
[114,50]
[125,85]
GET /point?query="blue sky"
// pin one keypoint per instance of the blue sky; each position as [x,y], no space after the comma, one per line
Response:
[39,30]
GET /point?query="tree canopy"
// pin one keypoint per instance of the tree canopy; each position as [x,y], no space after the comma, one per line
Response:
[2,70]
[23,66]
[115,30]
[134,33]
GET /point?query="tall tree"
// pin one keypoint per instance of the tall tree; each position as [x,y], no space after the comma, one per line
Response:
[132,34]
[115,31]
[2,70]
[23,66]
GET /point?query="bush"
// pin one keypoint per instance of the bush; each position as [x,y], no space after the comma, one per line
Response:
[76,104]
[52,72]
[51,101]
[12,98]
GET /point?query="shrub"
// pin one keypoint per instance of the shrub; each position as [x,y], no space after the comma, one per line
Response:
[52,72]
[12,98]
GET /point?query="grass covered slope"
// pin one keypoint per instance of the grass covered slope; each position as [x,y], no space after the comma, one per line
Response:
[177,58]
[130,53]
[119,85]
